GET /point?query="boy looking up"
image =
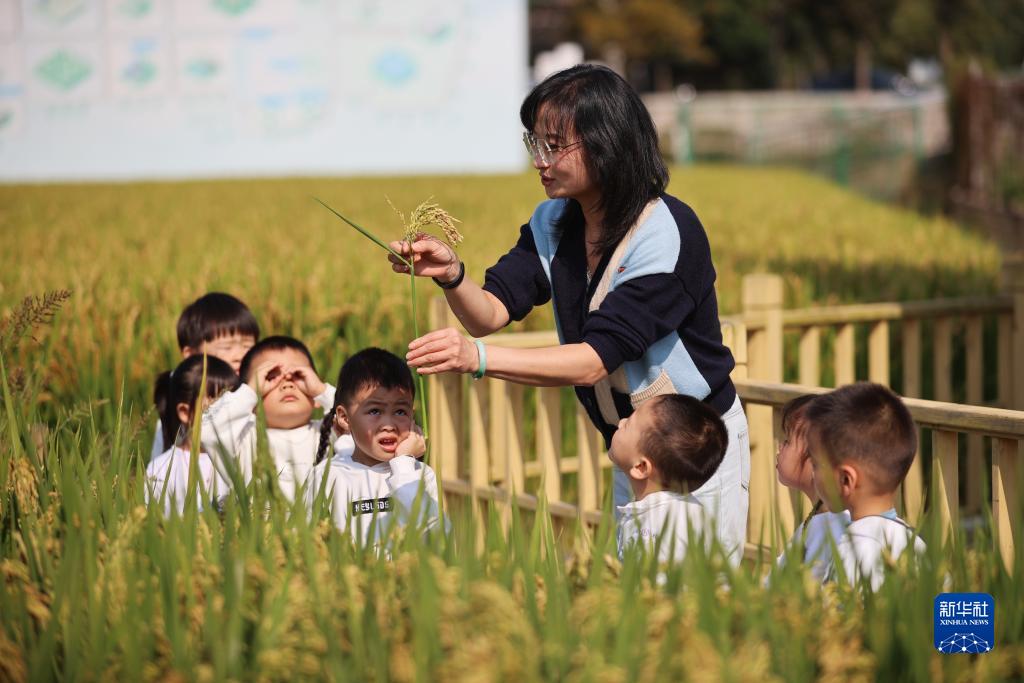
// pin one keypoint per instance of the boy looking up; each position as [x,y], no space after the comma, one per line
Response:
[279,371]
[670,446]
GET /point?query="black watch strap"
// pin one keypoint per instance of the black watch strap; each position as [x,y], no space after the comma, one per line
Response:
[454,283]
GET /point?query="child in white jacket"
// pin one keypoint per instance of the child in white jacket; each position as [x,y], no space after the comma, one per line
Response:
[216,324]
[821,530]
[380,483]
[863,441]
[279,371]
[167,474]
[671,445]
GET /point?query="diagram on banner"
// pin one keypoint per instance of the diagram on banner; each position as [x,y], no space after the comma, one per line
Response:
[135,15]
[64,72]
[60,18]
[233,15]
[248,85]
[409,54]
[138,68]
[12,91]
[203,67]
[286,80]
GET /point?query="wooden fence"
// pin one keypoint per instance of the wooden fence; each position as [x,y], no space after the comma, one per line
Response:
[494,439]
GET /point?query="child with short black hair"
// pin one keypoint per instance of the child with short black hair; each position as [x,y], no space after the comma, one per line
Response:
[280,372]
[670,446]
[821,530]
[220,325]
[167,475]
[381,481]
[863,441]
[216,324]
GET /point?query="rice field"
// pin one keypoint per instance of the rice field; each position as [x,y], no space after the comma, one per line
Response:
[93,586]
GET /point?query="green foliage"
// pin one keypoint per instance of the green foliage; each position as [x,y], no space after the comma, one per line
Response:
[754,44]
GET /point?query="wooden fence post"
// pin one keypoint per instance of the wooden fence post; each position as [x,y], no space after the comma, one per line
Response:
[1006,472]
[1013,282]
[762,301]
[445,400]
[913,484]
[974,467]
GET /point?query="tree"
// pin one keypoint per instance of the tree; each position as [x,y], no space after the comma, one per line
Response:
[661,33]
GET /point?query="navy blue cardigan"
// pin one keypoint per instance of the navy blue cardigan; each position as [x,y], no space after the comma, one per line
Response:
[671,294]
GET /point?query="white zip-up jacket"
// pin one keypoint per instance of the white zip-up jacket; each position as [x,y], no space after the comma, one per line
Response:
[229,424]
[170,469]
[663,514]
[372,498]
[823,531]
[867,542]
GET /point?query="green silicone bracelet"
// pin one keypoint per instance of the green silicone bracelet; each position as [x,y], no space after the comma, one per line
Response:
[482,354]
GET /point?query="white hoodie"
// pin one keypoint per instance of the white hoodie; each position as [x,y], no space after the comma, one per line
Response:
[170,469]
[384,493]
[662,514]
[867,542]
[823,531]
[229,425]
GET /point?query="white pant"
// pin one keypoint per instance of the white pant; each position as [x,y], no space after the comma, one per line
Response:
[726,495]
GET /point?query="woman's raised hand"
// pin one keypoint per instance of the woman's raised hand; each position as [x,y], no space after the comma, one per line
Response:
[443,351]
[431,258]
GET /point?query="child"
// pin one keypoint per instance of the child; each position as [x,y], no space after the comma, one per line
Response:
[822,529]
[381,482]
[216,324]
[671,445]
[280,371]
[167,475]
[862,442]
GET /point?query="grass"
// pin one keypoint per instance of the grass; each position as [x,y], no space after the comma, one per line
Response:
[95,586]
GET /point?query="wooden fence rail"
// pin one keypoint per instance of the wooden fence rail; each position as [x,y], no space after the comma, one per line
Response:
[773,506]
[494,440]
[952,326]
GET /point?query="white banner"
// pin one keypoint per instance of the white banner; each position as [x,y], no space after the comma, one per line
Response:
[125,89]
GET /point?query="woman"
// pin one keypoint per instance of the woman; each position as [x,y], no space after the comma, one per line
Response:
[626,267]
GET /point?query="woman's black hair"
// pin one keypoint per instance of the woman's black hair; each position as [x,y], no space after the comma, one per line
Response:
[597,106]
[183,385]
[275,343]
[371,367]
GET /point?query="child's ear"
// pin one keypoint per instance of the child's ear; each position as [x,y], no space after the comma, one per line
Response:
[187,352]
[642,469]
[848,478]
[184,411]
[341,420]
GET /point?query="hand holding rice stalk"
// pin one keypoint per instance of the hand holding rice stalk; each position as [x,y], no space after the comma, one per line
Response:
[420,218]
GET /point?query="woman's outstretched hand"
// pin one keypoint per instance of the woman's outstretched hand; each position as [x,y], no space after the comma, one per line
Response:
[431,258]
[443,351]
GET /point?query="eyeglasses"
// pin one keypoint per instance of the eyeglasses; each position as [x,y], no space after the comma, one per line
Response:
[542,151]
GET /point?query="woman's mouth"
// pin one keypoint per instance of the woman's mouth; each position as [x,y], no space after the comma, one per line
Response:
[546,180]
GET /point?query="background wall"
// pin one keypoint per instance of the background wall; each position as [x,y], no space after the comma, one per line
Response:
[183,88]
